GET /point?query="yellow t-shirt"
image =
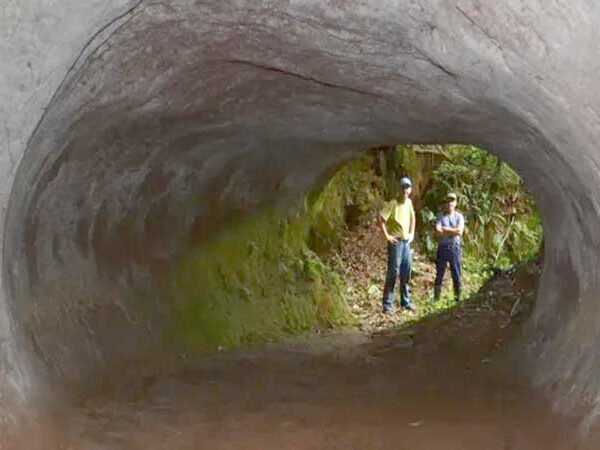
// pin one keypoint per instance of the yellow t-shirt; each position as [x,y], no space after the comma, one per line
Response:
[397,217]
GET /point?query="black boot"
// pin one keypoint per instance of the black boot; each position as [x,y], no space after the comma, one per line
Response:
[437,291]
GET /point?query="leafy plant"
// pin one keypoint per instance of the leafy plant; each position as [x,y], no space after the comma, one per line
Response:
[503,226]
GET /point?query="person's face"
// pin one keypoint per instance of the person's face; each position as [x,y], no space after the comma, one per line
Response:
[406,191]
[450,205]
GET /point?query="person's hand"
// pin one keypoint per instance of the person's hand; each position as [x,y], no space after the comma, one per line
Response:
[391,239]
[410,238]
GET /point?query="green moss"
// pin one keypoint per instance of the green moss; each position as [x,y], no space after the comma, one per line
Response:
[264,277]
[256,281]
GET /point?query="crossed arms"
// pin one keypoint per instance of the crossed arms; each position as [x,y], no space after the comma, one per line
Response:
[449,231]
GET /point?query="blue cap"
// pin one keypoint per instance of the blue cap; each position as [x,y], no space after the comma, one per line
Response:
[405,181]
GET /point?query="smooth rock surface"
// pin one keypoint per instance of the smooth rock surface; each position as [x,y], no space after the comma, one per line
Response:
[142,127]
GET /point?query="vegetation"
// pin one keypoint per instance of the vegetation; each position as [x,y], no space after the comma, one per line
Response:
[271,275]
[264,278]
[503,226]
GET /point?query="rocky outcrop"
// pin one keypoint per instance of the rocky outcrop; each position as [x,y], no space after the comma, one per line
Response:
[141,128]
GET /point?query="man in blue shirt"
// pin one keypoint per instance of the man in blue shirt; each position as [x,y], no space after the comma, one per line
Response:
[449,228]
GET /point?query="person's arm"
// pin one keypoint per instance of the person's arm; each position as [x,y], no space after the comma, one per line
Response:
[383,215]
[439,229]
[451,231]
[388,237]
[413,224]
[457,230]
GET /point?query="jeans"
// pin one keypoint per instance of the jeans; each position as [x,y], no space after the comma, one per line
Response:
[399,265]
[448,254]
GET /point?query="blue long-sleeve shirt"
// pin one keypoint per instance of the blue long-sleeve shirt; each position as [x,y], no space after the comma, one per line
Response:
[453,220]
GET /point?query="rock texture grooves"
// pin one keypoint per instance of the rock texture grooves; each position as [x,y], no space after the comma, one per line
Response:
[140,127]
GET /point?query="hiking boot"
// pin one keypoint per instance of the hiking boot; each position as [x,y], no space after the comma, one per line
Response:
[409,307]
[387,310]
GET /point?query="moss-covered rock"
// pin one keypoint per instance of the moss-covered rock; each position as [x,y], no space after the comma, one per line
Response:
[262,278]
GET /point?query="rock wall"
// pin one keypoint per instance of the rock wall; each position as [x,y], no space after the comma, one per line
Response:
[140,128]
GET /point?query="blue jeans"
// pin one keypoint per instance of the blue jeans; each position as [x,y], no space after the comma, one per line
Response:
[448,254]
[399,265]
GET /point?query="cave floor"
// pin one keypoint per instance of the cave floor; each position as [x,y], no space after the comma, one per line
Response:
[442,383]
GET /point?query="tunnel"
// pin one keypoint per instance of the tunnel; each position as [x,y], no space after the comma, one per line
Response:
[134,131]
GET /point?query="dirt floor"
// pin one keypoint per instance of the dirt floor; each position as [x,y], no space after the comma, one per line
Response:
[443,383]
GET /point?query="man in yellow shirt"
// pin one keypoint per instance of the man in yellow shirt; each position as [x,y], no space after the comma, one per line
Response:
[397,221]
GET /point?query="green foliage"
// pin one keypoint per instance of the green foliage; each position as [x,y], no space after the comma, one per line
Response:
[503,226]
[474,275]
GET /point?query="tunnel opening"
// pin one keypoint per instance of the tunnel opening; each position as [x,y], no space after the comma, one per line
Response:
[503,230]
[281,273]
